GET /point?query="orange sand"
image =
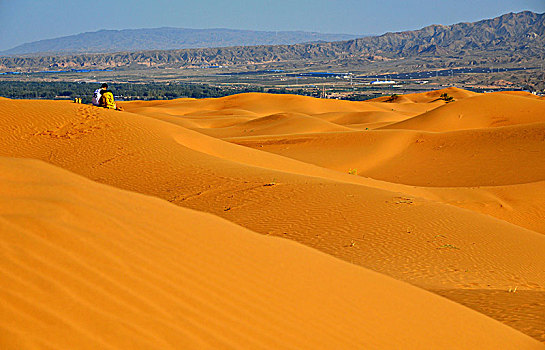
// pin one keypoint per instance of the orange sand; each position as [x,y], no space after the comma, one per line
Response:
[88,266]
[446,204]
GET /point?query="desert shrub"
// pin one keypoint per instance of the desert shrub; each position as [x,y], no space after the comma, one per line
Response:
[445,97]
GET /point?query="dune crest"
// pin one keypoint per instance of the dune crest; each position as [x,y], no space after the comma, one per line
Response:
[428,96]
[479,112]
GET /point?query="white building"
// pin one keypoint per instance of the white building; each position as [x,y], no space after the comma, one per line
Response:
[383,82]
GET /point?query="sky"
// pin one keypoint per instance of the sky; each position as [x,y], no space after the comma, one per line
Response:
[23,21]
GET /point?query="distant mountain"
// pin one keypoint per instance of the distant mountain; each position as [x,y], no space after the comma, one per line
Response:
[514,37]
[520,32]
[104,41]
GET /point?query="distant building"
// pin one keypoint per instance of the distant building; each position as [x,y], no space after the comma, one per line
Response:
[383,82]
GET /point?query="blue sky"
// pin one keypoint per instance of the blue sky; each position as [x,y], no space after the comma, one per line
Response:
[29,20]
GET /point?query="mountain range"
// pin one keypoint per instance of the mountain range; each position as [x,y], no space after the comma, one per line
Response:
[104,41]
[513,37]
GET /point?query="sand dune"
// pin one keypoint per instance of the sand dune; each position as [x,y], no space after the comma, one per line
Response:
[351,118]
[485,111]
[88,266]
[265,114]
[423,158]
[393,98]
[521,205]
[258,103]
[516,203]
[275,124]
[247,186]
[519,93]
[398,218]
[429,96]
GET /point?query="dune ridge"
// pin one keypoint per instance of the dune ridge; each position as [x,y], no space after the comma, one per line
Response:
[207,115]
[421,158]
[428,96]
[478,112]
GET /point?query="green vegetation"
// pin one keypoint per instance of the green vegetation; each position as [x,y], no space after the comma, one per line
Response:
[392,98]
[122,91]
[445,97]
[128,91]
[353,171]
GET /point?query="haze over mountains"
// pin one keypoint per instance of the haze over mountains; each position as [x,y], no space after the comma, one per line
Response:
[168,39]
[514,37]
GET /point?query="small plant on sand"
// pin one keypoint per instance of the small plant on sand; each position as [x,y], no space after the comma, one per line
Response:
[448,246]
[352,244]
[353,171]
[392,98]
[272,183]
[403,200]
[445,97]
[512,290]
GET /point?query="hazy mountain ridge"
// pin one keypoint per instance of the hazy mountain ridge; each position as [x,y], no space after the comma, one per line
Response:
[513,37]
[166,38]
[510,31]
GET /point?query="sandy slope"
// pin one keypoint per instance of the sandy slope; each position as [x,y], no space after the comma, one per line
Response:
[265,114]
[87,266]
[505,171]
[483,111]
[521,204]
[428,96]
[404,231]
[490,157]
[520,93]
[274,195]
[500,158]
[404,158]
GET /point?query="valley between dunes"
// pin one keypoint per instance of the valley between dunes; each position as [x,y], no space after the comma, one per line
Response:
[274,221]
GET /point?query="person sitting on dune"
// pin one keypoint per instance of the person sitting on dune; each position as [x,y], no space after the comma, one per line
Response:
[98,92]
[105,98]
